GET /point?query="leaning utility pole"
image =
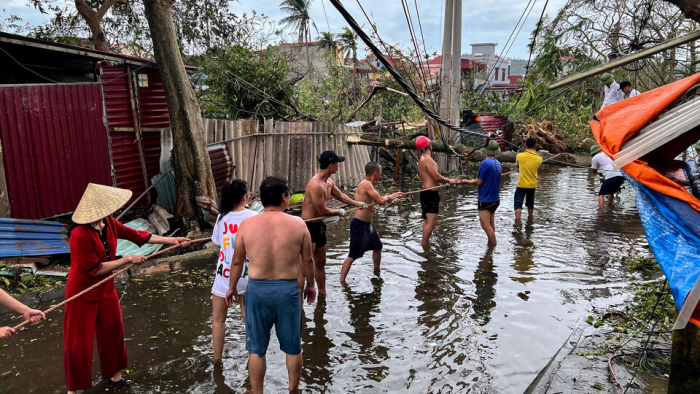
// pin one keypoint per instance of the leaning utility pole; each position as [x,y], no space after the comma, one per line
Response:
[450,73]
[456,101]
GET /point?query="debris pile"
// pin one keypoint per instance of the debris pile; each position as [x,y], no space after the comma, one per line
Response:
[547,136]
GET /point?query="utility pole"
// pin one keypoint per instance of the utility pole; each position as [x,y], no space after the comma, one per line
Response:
[456,101]
[445,72]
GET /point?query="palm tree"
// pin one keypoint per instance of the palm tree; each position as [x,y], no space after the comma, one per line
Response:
[298,17]
[330,41]
[348,39]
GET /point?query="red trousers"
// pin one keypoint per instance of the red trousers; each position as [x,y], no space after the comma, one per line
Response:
[81,322]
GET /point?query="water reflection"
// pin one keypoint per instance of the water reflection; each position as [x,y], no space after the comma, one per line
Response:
[523,250]
[317,346]
[363,308]
[485,279]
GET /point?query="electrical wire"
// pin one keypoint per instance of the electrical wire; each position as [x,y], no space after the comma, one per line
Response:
[527,66]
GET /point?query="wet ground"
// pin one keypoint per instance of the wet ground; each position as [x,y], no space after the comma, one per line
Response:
[459,318]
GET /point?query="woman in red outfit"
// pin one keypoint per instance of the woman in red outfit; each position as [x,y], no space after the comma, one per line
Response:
[93,246]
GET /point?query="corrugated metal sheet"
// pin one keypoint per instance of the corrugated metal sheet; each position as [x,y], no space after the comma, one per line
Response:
[151,103]
[54,143]
[153,107]
[493,123]
[32,238]
[221,166]
[127,248]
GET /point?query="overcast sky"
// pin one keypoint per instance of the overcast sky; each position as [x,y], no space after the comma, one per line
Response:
[483,21]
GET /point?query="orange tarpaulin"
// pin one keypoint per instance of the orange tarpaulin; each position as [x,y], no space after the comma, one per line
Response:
[621,121]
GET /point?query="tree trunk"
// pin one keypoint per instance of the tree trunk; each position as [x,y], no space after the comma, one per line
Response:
[691,8]
[190,156]
[94,21]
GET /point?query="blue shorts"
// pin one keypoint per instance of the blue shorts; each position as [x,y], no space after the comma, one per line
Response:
[271,302]
[611,186]
[526,194]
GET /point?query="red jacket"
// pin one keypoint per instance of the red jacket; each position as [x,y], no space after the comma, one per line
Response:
[87,253]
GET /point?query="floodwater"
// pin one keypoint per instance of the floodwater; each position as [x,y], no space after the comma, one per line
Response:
[459,318]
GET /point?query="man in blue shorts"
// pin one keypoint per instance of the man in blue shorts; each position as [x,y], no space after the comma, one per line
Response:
[489,180]
[277,246]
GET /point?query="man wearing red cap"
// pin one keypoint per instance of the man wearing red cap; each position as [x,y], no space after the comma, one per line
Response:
[431,179]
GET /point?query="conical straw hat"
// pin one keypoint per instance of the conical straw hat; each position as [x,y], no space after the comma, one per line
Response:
[99,201]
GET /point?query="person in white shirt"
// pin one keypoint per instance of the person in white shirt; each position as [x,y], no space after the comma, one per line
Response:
[612,90]
[626,88]
[234,198]
[613,178]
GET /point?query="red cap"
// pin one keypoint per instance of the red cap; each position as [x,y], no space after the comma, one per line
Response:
[422,143]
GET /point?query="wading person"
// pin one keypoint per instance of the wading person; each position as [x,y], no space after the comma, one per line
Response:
[363,234]
[489,180]
[278,247]
[93,246]
[430,178]
[318,191]
[234,198]
[528,164]
[613,178]
[627,90]
[27,313]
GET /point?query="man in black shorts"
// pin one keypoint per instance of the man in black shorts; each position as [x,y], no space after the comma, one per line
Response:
[431,179]
[489,181]
[319,190]
[363,234]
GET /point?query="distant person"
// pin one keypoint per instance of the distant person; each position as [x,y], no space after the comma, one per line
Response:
[627,90]
[319,190]
[489,180]
[528,164]
[613,178]
[612,90]
[431,179]
[363,234]
[277,246]
[27,313]
[97,314]
[234,198]
[697,151]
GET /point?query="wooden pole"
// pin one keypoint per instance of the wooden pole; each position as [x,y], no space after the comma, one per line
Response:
[685,361]
[137,131]
[619,62]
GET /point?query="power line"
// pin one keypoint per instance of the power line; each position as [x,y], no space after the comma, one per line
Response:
[488,75]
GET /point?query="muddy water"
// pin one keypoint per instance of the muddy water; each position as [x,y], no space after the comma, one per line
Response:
[459,318]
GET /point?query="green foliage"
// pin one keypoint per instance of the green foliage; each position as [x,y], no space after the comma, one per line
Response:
[241,83]
[645,265]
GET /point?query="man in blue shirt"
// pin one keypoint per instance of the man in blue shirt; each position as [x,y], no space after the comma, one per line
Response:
[489,180]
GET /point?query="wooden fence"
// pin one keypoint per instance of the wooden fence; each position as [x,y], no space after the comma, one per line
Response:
[288,150]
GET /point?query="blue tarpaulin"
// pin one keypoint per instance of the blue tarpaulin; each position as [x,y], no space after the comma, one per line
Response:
[672,229]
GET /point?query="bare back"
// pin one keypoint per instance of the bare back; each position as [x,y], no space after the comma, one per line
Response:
[363,194]
[273,242]
[427,170]
[318,192]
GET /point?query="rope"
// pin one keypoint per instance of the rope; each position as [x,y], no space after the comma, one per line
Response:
[103,281]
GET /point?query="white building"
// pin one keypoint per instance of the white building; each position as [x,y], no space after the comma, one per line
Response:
[498,69]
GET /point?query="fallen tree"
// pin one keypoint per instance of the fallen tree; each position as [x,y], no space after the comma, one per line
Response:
[472,154]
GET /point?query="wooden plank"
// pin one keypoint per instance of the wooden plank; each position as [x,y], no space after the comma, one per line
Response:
[143,129]
[270,144]
[238,149]
[5,209]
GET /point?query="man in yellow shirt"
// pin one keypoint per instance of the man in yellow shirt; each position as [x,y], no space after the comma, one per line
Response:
[528,163]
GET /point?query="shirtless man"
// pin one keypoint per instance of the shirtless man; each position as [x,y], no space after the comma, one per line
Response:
[318,191]
[363,235]
[275,244]
[431,178]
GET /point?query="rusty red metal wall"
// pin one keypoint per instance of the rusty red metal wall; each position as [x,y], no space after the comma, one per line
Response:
[54,143]
[493,123]
[150,106]
[153,107]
